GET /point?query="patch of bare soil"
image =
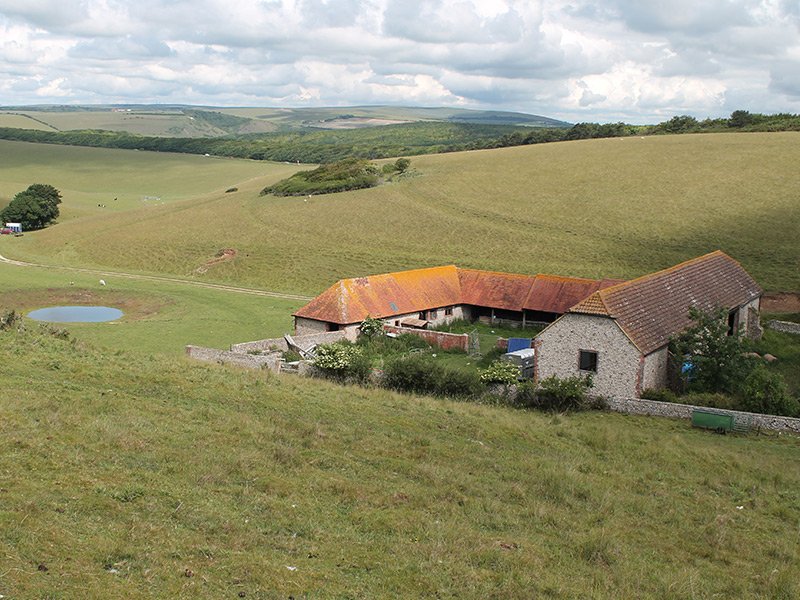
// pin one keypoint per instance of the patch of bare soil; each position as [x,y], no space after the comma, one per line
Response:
[781,302]
[135,306]
[221,256]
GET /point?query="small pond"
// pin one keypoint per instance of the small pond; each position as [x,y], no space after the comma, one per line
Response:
[76,314]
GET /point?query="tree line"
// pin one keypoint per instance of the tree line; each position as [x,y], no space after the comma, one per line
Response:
[408,139]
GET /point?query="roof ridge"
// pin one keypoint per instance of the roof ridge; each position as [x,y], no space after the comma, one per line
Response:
[400,272]
[494,272]
[647,276]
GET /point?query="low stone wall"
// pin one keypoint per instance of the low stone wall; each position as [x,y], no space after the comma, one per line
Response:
[272,362]
[637,406]
[784,326]
[280,345]
[445,341]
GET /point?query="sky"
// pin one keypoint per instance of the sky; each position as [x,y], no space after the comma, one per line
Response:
[638,61]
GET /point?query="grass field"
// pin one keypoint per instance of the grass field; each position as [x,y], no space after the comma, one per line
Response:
[597,208]
[136,477]
[91,176]
[160,318]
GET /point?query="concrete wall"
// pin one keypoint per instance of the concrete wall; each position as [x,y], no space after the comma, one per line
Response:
[784,326]
[280,345]
[223,357]
[654,371]
[446,341]
[637,406]
[618,360]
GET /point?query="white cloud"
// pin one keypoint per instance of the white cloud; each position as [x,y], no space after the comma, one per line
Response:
[574,59]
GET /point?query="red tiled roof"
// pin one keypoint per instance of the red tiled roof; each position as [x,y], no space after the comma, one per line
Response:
[551,293]
[653,308]
[380,296]
[491,289]
[353,300]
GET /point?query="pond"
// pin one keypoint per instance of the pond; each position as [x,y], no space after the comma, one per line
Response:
[76,314]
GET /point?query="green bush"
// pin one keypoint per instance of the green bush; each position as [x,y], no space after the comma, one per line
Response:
[458,383]
[500,371]
[561,395]
[711,400]
[420,374]
[416,373]
[370,327]
[526,395]
[765,392]
[343,361]
[341,176]
[661,395]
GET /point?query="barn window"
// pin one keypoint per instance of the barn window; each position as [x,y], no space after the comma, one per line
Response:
[422,316]
[733,321]
[587,360]
[432,313]
[448,311]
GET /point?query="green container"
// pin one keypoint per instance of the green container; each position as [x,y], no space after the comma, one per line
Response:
[712,420]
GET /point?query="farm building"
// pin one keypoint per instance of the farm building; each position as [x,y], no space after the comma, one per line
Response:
[620,334]
[438,295]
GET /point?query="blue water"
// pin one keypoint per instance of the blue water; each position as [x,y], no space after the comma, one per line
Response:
[76,314]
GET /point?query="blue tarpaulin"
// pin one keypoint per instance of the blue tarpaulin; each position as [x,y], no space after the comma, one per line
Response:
[515,344]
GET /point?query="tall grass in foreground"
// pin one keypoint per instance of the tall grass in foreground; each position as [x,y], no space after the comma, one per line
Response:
[138,477]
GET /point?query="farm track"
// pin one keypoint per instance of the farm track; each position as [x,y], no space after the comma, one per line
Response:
[212,286]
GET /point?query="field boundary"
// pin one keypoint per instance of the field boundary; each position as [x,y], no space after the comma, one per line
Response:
[158,278]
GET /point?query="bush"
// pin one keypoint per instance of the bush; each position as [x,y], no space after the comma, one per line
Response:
[343,361]
[661,395]
[500,371]
[370,327]
[563,394]
[348,174]
[457,383]
[414,373]
[418,373]
[723,401]
[766,392]
[526,395]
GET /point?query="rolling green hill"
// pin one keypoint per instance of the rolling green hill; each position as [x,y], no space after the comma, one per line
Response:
[134,477]
[594,208]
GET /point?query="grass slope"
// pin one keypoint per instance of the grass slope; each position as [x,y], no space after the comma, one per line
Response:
[159,317]
[139,477]
[594,208]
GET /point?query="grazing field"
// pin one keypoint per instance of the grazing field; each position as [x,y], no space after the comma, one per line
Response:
[160,317]
[138,180]
[136,477]
[596,208]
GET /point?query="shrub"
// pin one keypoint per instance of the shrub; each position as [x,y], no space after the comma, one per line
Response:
[500,371]
[370,327]
[343,361]
[11,319]
[414,373]
[348,174]
[661,395]
[459,383]
[710,400]
[526,395]
[563,394]
[765,392]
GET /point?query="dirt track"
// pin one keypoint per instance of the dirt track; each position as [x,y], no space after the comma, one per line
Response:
[212,286]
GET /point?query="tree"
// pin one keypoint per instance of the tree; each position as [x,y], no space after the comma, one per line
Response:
[34,208]
[401,165]
[711,356]
[740,118]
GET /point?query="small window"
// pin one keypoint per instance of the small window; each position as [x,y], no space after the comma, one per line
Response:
[733,324]
[432,313]
[422,316]
[448,311]
[397,323]
[587,360]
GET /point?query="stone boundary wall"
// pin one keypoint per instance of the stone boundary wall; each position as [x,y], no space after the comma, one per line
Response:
[637,406]
[784,326]
[280,345]
[271,362]
[445,341]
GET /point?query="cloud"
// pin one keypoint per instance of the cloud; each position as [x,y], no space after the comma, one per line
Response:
[572,59]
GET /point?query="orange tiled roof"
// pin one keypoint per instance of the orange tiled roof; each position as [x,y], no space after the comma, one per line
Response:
[380,296]
[506,291]
[653,308]
[353,300]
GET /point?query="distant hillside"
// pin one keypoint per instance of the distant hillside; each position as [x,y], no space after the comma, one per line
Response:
[205,122]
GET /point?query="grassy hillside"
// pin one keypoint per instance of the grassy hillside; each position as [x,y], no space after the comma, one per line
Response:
[159,317]
[594,208]
[144,180]
[134,477]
